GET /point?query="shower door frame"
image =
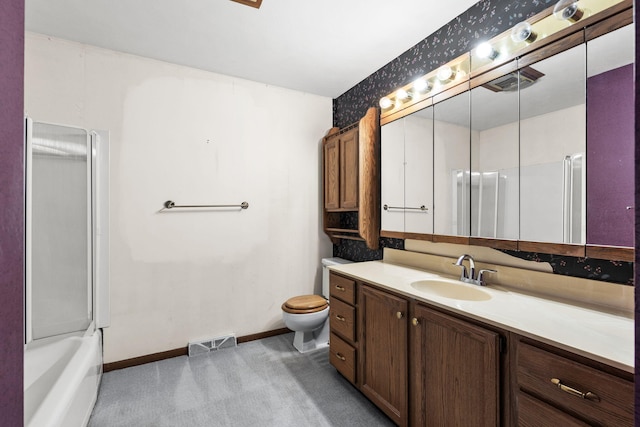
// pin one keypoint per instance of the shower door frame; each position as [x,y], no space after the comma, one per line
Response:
[97,229]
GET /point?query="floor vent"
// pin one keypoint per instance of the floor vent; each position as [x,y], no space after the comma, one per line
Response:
[214,344]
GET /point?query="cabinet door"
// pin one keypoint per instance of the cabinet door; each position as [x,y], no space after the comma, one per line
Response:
[392,176]
[418,174]
[384,352]
[455,372]
[349,170]
[332,173]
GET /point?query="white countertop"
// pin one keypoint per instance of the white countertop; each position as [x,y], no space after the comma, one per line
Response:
[598,335]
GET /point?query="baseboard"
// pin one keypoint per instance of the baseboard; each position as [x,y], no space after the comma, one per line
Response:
[183,351]
[261,335]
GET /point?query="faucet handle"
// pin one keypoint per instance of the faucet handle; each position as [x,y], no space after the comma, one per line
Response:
[463,275]
[481,275]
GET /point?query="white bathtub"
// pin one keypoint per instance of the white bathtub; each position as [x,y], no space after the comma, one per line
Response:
[61,379]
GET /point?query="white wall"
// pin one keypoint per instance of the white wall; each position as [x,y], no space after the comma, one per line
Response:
[179,276]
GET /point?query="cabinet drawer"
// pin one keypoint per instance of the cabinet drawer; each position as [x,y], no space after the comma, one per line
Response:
[343,288]
[342,317]
[611,402]
[343,357]
[534,413]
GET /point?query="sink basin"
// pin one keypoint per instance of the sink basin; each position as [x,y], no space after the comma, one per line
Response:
[451,289]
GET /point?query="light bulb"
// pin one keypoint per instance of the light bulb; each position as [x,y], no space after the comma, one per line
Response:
[522,32]
[385,103]
[402,95]
[486,51]
[421,85]
[445,73]
[568,10]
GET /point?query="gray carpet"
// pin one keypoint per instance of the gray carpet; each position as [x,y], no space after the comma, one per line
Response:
[259,383]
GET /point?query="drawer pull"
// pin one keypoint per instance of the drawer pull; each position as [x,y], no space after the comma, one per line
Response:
[340,288]
[588,395]
[341,357]
[340,318]
[415,321]
[399,315]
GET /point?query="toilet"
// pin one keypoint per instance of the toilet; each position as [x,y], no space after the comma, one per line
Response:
[308,315]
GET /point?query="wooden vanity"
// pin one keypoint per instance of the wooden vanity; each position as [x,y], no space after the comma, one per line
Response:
[426,364]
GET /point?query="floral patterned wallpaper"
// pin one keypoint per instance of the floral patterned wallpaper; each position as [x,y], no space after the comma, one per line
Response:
[484,20]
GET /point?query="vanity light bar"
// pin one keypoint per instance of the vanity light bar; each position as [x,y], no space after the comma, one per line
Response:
[448,75]
[495,52]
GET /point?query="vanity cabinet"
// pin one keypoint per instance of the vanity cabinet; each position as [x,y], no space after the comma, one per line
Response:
[563,389]
[342,323]
[384,352]
[455,371]
[351,170]
[423,367]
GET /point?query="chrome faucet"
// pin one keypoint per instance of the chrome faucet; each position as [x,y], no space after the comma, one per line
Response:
[470,277]
[472,267]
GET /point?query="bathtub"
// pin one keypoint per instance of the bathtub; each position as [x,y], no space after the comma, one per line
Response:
[61,379]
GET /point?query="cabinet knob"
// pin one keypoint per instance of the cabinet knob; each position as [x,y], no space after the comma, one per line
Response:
[415,321]
[399,315]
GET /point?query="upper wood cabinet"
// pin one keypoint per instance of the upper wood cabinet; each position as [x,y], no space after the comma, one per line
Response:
[341,171]
[332,173]
[351,171]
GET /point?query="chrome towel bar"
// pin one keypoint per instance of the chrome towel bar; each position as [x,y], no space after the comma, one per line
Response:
[171,205]
[421,208]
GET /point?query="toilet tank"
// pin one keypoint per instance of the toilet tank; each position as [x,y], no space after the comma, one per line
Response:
[325,272]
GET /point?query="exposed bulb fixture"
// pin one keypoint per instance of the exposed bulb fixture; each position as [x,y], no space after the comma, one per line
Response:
[522,32]
[445,73]
[402,95]
[421,85]
[568,10]
[486,51]
[385,103]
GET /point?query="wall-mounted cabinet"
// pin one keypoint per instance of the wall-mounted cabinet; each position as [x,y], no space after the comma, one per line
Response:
[534,155]
[451,167]
[407,180]
[352,181]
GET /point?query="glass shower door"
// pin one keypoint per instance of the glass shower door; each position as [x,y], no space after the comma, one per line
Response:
[59,257]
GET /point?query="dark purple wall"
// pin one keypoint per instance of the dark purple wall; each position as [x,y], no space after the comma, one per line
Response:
[11,211]
[610,148]
[637,211]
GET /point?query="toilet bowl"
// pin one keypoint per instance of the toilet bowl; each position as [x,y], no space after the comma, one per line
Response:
[308,315]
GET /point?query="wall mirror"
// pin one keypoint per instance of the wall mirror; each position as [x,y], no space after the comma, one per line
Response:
[452,166]
[495,158]
[610,138]
[552,150]
[407,173]
[537,156]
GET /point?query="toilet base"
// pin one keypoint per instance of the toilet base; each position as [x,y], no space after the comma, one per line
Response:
[305,341]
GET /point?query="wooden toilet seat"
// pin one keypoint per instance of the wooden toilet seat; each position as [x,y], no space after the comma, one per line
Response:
[305,304]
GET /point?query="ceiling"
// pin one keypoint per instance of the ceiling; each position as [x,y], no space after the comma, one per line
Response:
[322,47]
